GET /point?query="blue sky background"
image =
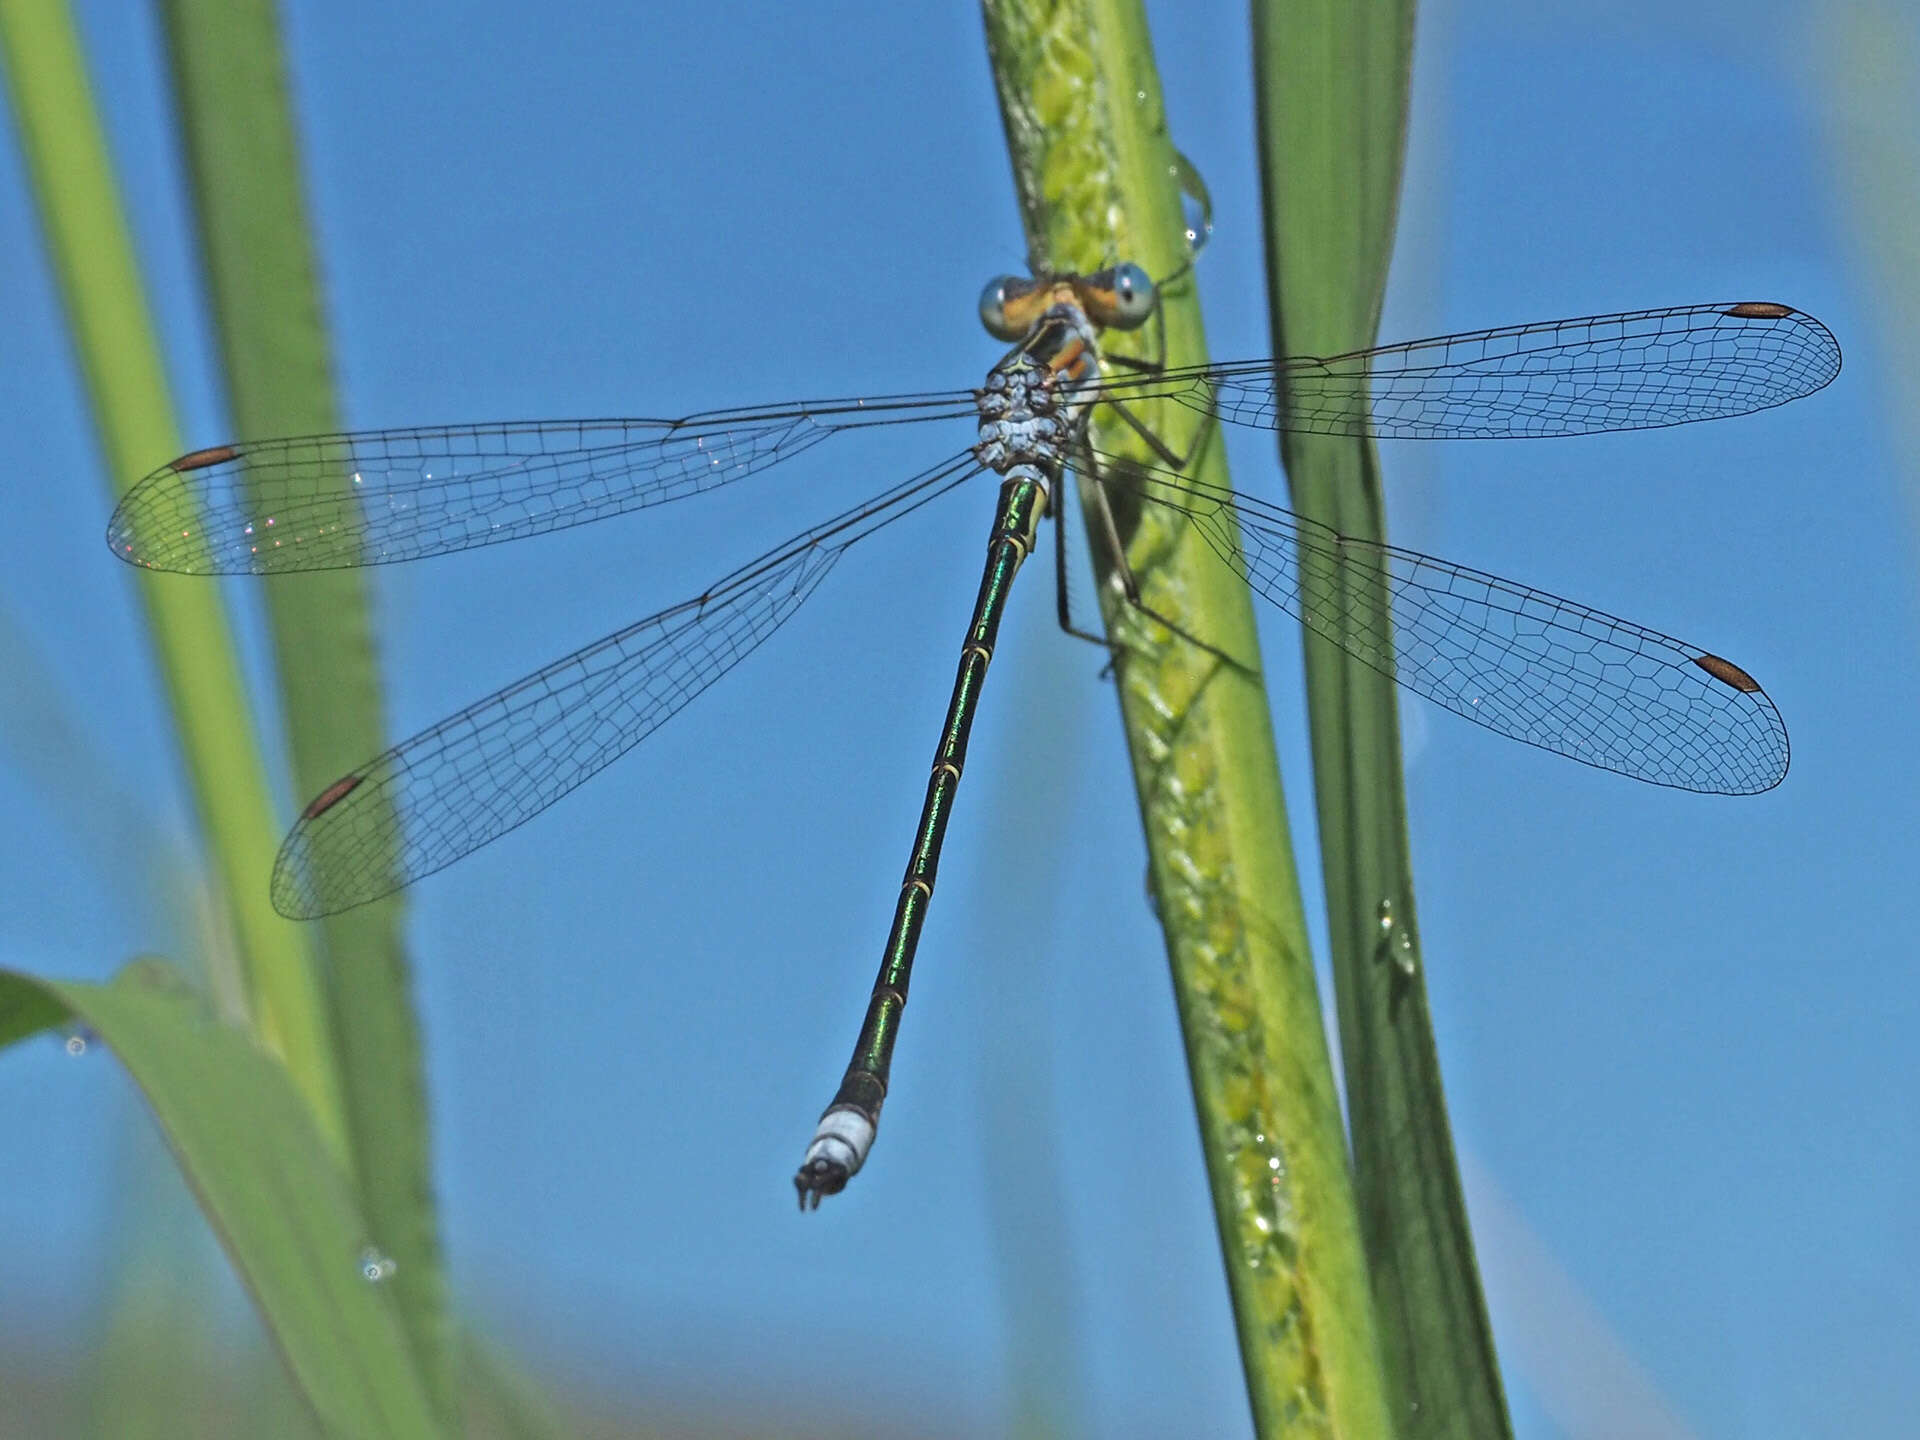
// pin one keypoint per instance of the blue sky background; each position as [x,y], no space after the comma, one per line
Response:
[1676,1030]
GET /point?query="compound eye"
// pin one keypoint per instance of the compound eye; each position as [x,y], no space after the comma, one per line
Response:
[1002,291]
[1133,297]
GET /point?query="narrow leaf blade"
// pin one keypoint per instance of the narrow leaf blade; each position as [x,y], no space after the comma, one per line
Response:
[248,1146]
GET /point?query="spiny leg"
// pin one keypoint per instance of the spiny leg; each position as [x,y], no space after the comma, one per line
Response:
[1175,460]
[1108,529]
[1063,601]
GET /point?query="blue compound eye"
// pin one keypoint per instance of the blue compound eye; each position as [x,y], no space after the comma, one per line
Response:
[1132,297]
[1002,291]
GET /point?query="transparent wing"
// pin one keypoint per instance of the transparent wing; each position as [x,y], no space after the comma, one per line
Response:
[1521,662]
[1633,371]
[321,502]
[327,501]
[478,774]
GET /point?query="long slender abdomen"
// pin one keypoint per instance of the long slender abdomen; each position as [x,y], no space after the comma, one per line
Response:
[847,1128]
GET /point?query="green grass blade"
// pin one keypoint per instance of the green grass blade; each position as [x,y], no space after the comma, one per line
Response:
[247,1144]
[167,1363]
[1092,164]
[1333,85]
[262,278]
[27,1010]
[92,254]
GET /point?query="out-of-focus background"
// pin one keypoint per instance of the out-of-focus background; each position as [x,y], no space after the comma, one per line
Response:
[1677,1030]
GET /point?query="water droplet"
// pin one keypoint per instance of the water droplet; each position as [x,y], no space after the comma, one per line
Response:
[375,1267]
[79,1040]
[1195,203]
[1396,943]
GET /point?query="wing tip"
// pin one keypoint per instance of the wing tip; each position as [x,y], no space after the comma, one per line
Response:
[1817,334]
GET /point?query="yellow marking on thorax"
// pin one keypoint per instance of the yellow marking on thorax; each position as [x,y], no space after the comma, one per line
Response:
[1072,360]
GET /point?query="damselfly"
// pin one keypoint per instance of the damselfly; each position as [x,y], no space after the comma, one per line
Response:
[1526,664]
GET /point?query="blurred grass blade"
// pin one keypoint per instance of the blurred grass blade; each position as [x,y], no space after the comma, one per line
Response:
[1094,171]
[27,1010]
[1863,70]
[248,1146]
[504,1402]
[43,739]
[1333,80]
[262,279]
[169,1362]
[92,254]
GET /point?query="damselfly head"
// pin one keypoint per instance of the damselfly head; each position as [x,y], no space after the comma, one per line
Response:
[1119,298]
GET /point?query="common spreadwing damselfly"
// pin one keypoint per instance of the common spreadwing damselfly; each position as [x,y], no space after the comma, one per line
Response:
[1526,664]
